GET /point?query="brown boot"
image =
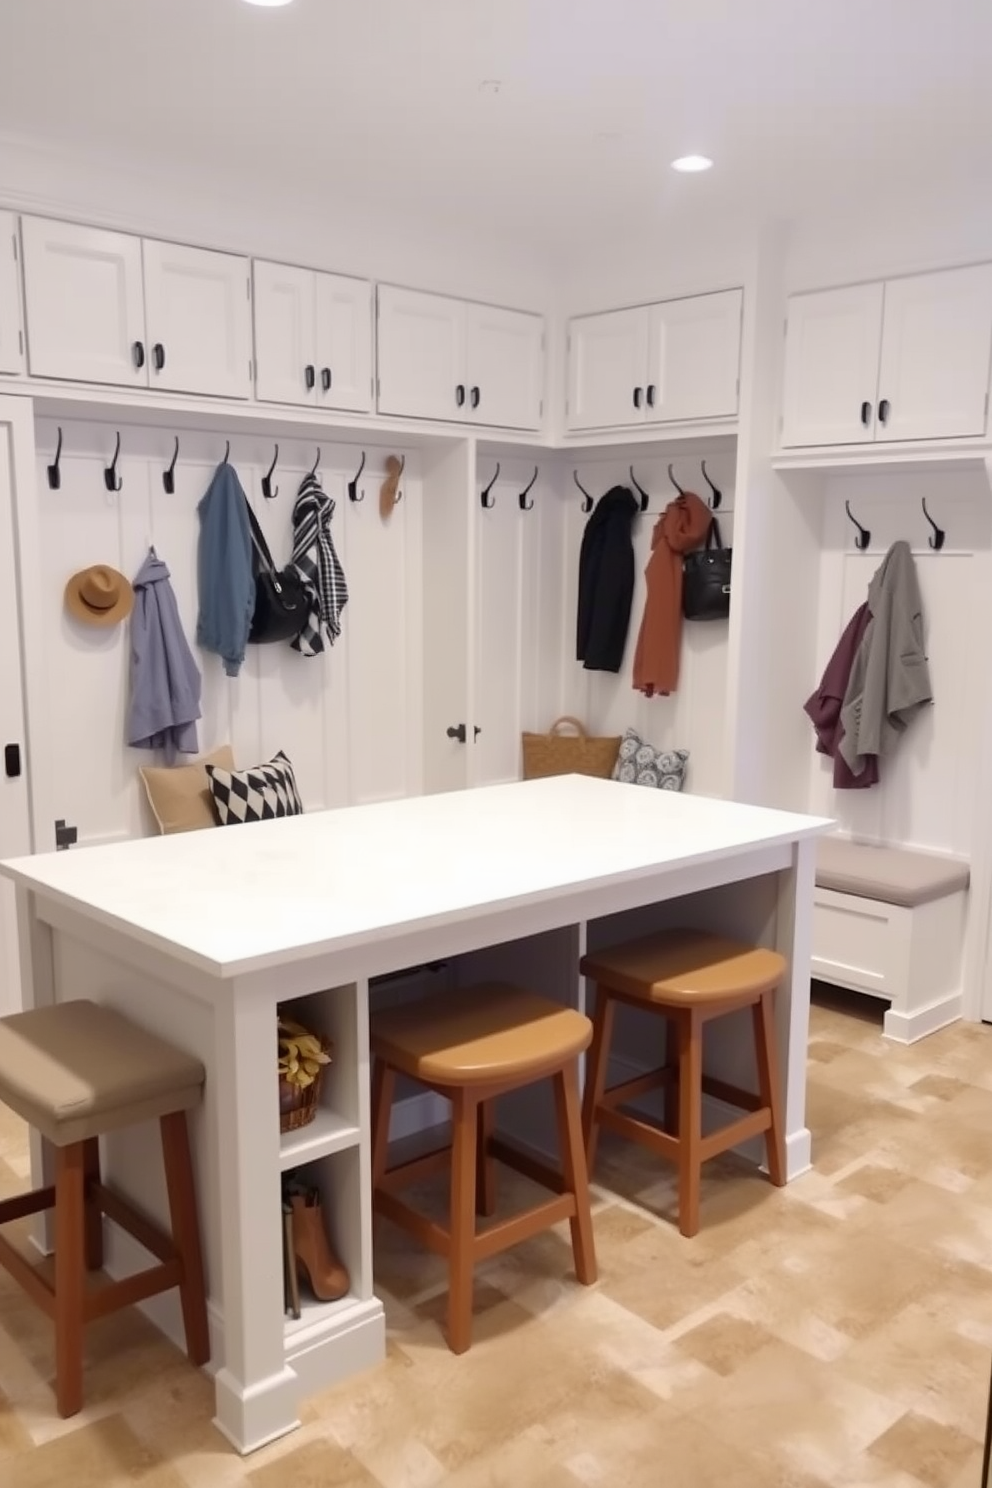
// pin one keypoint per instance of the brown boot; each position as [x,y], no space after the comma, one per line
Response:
[316,1262]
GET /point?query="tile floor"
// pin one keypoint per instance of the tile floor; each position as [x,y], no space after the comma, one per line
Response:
[836,1334]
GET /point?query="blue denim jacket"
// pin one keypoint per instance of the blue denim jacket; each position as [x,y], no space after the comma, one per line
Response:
[226,580]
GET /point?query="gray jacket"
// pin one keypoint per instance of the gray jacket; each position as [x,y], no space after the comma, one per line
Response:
[165,680]
[890,678]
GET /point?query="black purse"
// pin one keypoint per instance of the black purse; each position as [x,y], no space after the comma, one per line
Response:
[706,579]
[281,605]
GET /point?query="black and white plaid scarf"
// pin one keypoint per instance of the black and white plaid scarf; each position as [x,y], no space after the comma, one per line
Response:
[317,564]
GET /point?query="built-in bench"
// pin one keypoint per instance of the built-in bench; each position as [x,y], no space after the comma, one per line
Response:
[891,922]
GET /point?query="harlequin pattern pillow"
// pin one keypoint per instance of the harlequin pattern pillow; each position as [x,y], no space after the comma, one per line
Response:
[641,764]
[259,794]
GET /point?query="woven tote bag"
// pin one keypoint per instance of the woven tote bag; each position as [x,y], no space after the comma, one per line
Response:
[569,753]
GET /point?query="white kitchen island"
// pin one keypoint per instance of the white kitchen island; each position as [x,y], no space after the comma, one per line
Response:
[199,937]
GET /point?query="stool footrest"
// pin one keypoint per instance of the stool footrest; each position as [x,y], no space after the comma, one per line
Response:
[146,1234]
[106,1299]
[510,1232]
[433,1236]
[22,1205]
[629,1090]
[417,1168]
[524,1162]
[639,1130]
[733,1095]
[734,1133]
[28,1276]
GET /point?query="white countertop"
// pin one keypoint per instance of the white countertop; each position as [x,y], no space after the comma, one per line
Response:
[232,901]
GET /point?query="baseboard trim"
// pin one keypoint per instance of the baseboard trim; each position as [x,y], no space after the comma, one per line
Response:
[909,1028]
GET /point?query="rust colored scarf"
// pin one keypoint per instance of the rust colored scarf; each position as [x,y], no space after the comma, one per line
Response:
[682,526]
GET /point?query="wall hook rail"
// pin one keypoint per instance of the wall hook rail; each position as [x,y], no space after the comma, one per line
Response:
[937,540]
[488,500]
[353,483]
[169,474]
[269,491]
[312,473]
[864,535]
[586,496]
[671,477]
[717,497]
[111,479]
[55,470]
[526,505]
[645,498]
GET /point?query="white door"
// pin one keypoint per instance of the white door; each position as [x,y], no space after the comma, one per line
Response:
[11,329]
[421,343]
[694,354]
[505,367]
[832,345]
[933,381]
[83,303]
[285,341]
[607,369]
[198,312]
[344,343]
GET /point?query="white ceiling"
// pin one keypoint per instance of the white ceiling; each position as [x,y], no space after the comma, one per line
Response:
[804,106]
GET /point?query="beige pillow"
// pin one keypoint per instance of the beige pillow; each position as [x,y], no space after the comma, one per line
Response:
[180,795]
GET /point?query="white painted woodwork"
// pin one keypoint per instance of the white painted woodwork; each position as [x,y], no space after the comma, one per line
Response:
[285,333]
[84,304]
[344,342]
[449,613]
[936,343]
[694,352]
[15,832]
[832,347]
[607,366]
[11,323]
[421,354]
[198,309]
[505,367]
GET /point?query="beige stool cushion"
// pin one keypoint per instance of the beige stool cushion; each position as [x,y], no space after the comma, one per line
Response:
[891,875]
[679,967]
[479,1034]
[76,1070]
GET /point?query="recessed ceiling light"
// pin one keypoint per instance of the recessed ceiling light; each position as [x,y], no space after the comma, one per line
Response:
[269,2]
[690,163]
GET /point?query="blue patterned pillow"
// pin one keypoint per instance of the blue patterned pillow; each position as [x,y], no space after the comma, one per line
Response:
[641,764]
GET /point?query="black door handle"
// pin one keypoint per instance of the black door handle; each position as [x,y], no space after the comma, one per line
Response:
[158,354]
[460,394]
[139,354]
[325,379]
[458,731]
[476,397]
[866,413]
[310,376]
[478,730]
[637,397]
[12,760]
[883,411]
[651,392]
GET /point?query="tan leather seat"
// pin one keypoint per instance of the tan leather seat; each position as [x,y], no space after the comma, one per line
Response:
[686,966]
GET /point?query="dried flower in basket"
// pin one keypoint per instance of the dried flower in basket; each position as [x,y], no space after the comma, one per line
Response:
[301,1054]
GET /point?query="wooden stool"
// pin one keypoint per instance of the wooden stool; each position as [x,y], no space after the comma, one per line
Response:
[74,1071]
[472,1046]
[689,977]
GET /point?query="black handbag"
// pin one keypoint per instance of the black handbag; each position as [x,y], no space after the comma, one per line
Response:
[706,579]
[281,605]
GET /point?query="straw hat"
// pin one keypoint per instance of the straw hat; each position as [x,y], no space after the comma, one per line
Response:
[99,596]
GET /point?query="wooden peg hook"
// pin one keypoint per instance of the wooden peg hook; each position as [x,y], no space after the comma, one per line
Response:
[389,493]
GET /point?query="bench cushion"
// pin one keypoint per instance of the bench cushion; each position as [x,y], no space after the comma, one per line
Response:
[76,1070]
[891,875]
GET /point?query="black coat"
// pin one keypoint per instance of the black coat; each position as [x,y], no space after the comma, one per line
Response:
[606,582]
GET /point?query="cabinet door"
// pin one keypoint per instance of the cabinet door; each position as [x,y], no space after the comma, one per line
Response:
[505,367]
[421,355]
[607,369]
[83,303]
[344,343]
[198,311]
[11,333]
[694,354]
[832,344]
[285,339]
[933,379]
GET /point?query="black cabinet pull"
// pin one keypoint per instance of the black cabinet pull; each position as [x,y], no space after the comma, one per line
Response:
[883,411]
[637,397]
[651,391]
[460,395]
[139,354]
[325,379]
[476,397]
[866,413]
[12,760]
[457,731]
[158,356]
[310,376]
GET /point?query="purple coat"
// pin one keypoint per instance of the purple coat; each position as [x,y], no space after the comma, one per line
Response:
[824,706]
[165,680]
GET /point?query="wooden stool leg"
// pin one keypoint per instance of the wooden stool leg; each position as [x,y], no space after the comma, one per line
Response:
[672,1085]
[485,1163]
[690,1119]
[461,1233]
[186,1233]
[769,1084]
[70,1265]
[596,1063]
[574,1168]
[94,1218]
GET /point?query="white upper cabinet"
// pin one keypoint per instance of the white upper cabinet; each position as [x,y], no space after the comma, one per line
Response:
[933,376]
[673,362]
[198,318]
[84,303]
[505,367]
[11,336]
[607,369]
[313,338]
[343,310]
[832,344]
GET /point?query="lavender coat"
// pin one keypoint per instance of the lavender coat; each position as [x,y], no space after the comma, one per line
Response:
[165,680]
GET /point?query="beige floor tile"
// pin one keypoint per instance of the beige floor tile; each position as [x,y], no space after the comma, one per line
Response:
[317,1464]
[933,1453]
[92,1456]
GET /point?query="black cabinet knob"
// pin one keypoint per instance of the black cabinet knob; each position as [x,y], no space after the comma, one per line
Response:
[158,356]
[637,397]
[139,354]
[457,731]
[325,379]
[651,393]
[310,376]
[12,761]
[866,413]
[883,411]
[476,397]
[460,395]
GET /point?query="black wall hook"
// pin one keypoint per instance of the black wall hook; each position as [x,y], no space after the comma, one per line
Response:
[671,477]
[227,453]
[717,497]
[587,499]
[864,536]
[169,474]
[526,505]
[111,480]
[54,471]
[645,498]
[269,491]
[937,541]
[487,499]
[313,467]
[353,483]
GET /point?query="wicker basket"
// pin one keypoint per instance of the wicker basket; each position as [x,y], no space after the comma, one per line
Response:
[577,753]
[299,1107]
